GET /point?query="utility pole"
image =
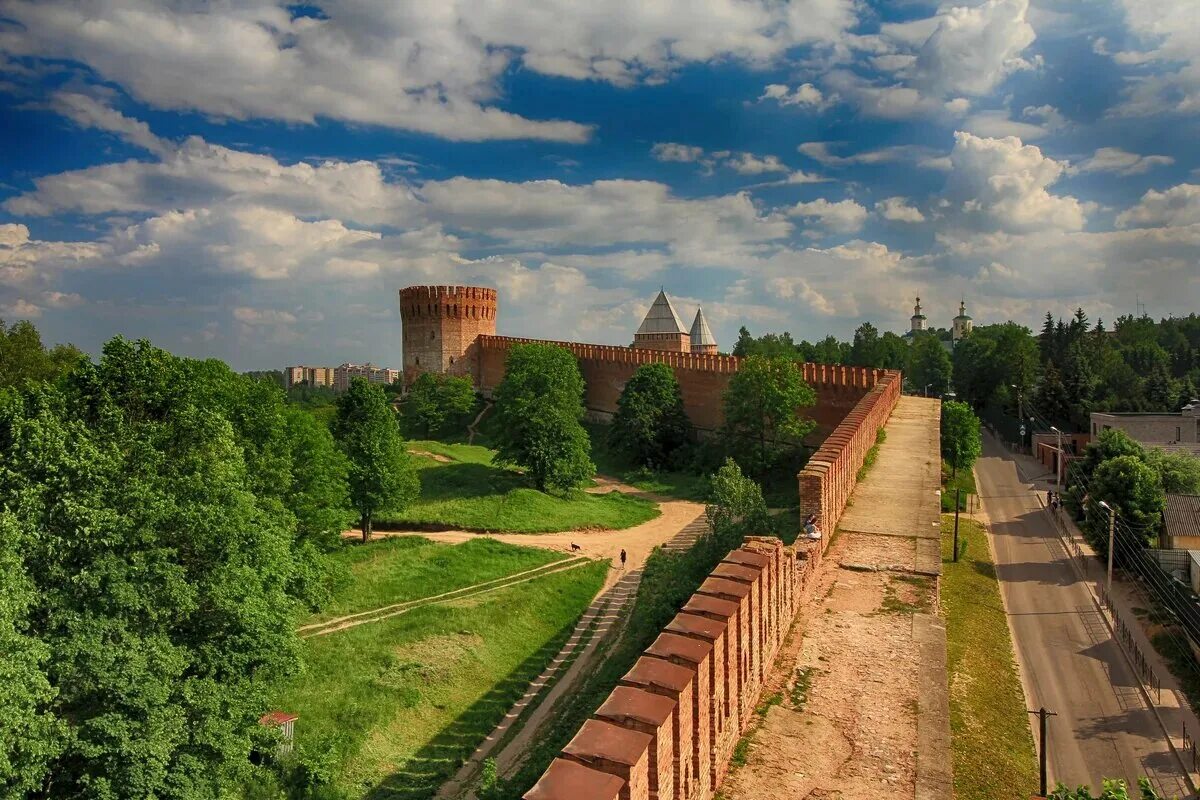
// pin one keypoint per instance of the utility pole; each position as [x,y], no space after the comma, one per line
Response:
[1042,715]
[1112,525]
[1058,465]
[957,492]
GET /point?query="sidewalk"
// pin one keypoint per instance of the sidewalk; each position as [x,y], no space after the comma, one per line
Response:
[1163,695]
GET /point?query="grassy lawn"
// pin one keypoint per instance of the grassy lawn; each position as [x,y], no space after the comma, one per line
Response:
[679,484]
[992,746]
[394,707]
[464,489]
[964,480]
[390,571]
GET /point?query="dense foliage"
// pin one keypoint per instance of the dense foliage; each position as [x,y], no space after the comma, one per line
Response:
[929,367]
[158,537]
[650,424]
[436,401]
[962,441]
[23,357]
[763,410]
[381,474]
[539,408]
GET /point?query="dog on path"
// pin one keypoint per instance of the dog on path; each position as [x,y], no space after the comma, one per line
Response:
[575,547]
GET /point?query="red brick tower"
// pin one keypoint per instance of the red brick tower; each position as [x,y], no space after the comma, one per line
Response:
[440,325]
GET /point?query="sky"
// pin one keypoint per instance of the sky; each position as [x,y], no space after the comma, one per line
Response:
[255,181]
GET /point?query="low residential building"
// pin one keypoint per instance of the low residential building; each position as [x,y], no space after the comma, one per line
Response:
[1181,522]
[1045,450]
[1153,428]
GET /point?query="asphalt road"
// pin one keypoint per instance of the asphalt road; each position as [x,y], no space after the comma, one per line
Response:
[1069,663]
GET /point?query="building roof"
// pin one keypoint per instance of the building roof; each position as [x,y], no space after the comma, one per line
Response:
[701,333]
[1181,517]
[661,318]
[277,718]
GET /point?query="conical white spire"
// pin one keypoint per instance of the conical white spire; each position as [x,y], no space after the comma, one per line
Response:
[701,334]
[661,318]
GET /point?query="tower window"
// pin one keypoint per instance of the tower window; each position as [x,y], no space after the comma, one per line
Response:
[432,335]
[418,361]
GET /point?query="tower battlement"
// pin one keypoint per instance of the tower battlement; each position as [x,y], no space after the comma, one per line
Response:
[440,323]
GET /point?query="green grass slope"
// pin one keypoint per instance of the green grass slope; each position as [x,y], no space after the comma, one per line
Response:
[464,489]
[388,571]
[991,743]
[392,708]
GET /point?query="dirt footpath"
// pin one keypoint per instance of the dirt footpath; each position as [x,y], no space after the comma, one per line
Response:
[853,715]
[637,542]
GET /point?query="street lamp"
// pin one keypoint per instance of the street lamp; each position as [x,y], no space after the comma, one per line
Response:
[927,389]
[1058,470]
[1112,523]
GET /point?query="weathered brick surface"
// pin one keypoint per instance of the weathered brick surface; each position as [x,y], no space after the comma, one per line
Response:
[827,480]
[671,680]
[695,655]
[705,665]
[721,735]
[651,714]
[702,379]
[569,780]
[615,750]
[440,324]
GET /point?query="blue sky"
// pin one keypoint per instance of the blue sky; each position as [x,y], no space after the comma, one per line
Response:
[256,182]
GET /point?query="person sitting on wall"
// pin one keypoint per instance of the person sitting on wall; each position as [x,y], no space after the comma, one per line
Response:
[811,531]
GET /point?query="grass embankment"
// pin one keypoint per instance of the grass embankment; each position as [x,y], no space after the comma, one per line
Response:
[462,488]
[992,746]
[392,708]
[405,568]
[964,480]
[681,484]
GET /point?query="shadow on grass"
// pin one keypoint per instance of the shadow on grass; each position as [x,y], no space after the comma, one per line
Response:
[435,762]
[464,480]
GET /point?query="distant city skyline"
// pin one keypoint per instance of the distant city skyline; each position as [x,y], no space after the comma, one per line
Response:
[236,192]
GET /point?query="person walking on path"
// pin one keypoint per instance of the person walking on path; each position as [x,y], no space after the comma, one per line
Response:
[622,559]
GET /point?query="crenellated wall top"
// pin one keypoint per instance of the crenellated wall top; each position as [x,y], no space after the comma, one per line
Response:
[460,293]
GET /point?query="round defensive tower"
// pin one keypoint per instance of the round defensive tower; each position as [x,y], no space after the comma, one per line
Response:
[440,323]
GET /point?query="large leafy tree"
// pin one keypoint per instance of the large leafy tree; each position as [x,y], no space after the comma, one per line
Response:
[23,356]
[650,423]
[381,474]
[152,566]
[1133,489]
[1179,472]
[961,439]
[764,405]
[929,365]
[539,408]
[866,350]
[434,400]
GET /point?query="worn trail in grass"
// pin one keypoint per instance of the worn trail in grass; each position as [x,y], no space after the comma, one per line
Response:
[396,570]
[398,704]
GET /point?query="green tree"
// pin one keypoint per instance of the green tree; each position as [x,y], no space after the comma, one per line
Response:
[866,350]
[650,423]
[1133,489]
[1051,397]
[763,404]
[381,474]
[435,399]
[1179,472]
[735,506]
[319,496]
[151,572]
[539,408]
[23,356]
[929,365]
[893,352]
[961,439]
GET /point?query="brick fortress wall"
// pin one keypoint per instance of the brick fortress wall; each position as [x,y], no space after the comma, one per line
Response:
[702,379]
[669,729]
[829,477]
[441,325]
